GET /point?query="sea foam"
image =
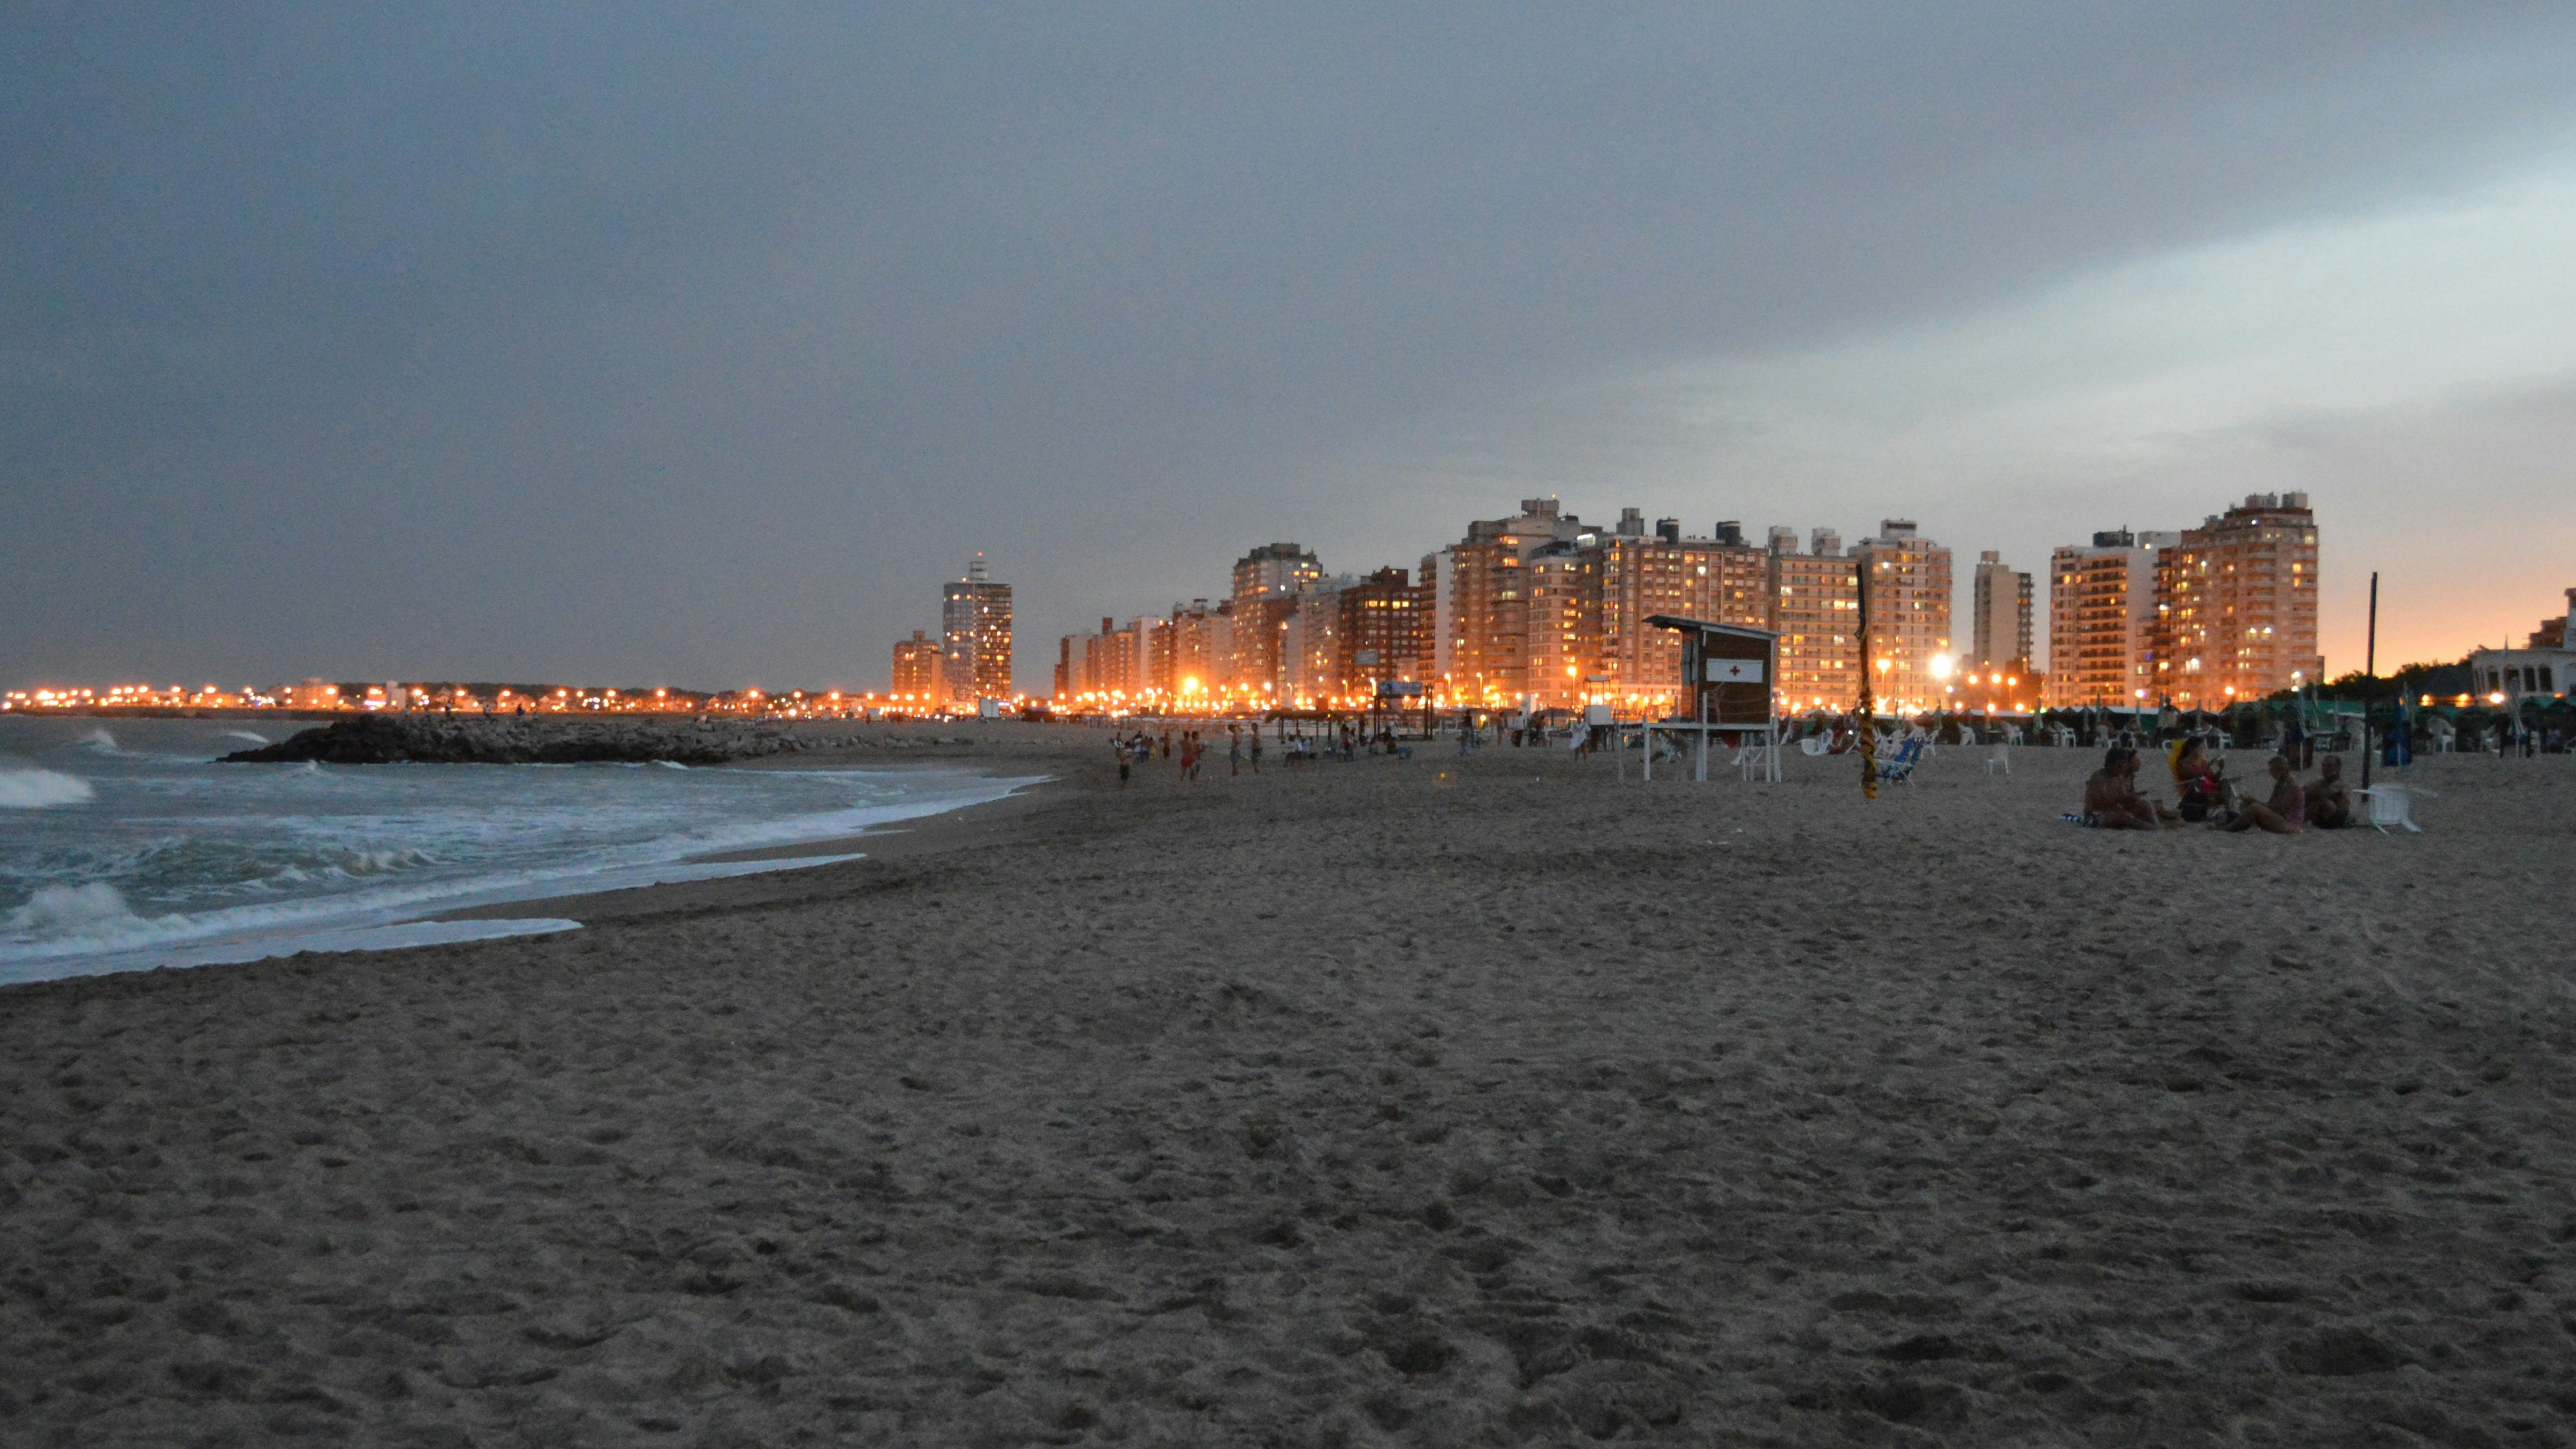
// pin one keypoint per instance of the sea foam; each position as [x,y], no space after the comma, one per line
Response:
[41,789]
[92,912]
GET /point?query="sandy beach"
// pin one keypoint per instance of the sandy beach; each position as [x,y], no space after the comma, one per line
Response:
[1493,1100]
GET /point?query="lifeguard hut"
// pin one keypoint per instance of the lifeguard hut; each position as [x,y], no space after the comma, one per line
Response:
[1729,673]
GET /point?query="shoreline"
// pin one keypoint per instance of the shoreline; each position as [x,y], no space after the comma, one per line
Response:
[984,823]
[352,924]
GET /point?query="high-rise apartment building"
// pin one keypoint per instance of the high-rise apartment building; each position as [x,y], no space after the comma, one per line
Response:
[1200,646]
[1311,647]
[1266,582]
[975,635]
[918,676]
[1720,578]
[1999,627]
[1119,662]
[1433,580]
[2236,605]
[1561,621]
[1815,609]
[1905,583]
[1386,631]
[1488,614]
[2101,621]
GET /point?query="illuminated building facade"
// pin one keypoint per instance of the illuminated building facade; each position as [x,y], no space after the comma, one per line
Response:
[1999,614]
[975,635]
[1721,579]
[2544,668]
[1386,622]
[1905,580]
[1311,647]
[1488,602]
[1815,609]
[918,671]
[1199,647]
[2236,605]
[2101,621]
[1266,582]
[1561,622]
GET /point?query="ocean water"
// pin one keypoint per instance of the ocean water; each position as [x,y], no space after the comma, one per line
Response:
[124,846]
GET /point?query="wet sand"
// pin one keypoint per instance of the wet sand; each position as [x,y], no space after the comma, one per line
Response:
[1490,1101]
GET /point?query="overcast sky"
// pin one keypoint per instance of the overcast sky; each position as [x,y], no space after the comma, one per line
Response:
[699,346]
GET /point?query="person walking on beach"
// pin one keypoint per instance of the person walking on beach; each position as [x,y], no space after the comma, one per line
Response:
[1120,748]
[1234,751]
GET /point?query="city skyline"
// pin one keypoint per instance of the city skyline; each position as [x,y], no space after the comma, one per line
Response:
[326,356]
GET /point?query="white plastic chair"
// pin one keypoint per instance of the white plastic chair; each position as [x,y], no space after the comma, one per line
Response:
[2391,805]
[2000,760]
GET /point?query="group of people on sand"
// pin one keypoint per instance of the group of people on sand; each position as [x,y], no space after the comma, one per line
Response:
[1140,748]
[2206,796]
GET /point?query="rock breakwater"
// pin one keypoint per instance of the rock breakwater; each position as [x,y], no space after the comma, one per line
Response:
[519,740]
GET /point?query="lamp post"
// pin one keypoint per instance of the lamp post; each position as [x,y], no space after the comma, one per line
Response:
[2369,672]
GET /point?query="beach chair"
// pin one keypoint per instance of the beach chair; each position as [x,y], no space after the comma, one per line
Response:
[1898,768]
[1999,761]
[1816,745]
[2391,806]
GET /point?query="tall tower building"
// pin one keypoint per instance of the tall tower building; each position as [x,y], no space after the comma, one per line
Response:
[975,634]
[2000,616]
[2101,621]
[2236,605]
[1905,581]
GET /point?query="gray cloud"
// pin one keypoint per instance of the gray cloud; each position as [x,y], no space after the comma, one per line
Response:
[645,346]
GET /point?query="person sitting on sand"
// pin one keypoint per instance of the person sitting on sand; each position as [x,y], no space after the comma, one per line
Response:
[2329,803]
[2196,778]
[2286,813]
[2111,798]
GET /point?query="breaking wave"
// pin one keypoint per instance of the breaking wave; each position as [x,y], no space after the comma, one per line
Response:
[95,912]
[41,789]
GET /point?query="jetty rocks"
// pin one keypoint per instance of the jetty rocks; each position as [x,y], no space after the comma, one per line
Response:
[381,739]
